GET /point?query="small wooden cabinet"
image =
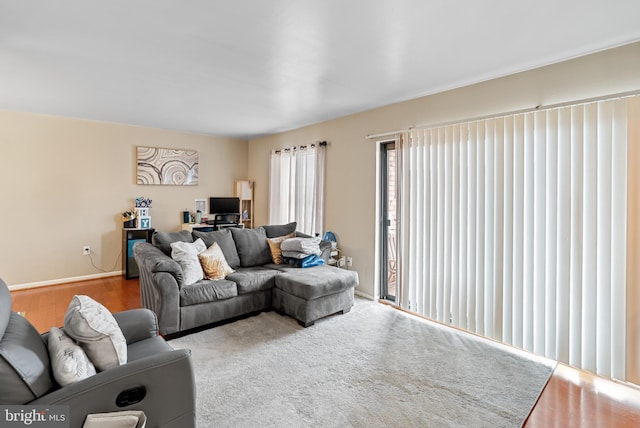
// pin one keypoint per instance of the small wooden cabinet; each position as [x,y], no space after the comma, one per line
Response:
[130,237]
[244,191]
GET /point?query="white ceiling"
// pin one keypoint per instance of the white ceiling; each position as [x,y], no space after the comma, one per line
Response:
[247,68]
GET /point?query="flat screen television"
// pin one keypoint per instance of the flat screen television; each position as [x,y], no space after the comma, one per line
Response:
[219,205]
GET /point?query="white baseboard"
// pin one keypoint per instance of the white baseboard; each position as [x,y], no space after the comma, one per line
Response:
[63,280]
[364,295]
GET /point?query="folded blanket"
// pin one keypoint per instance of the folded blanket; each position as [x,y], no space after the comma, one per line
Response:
[301,245]
[296,255]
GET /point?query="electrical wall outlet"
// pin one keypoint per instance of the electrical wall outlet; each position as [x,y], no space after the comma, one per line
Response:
[86,250]
[349,262]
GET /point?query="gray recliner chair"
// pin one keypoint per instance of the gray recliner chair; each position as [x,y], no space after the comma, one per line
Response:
[156,378]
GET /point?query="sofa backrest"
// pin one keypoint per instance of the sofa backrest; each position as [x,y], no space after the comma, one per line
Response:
[277,230]
[241,247]
[225,241]
[25,371]
[163,240]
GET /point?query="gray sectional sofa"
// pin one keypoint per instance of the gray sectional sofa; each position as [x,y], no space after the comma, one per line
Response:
[258,284]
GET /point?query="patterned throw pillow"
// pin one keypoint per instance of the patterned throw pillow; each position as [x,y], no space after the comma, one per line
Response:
[274,246]
[69,362]
[213,263]
[186,254]
[97,331]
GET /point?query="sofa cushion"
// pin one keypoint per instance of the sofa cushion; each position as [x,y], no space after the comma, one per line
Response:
[252,246]
[163,240]
[97,331]
[214,265]
[314,282]
[24,362]
[225,241]
[69,362]
[275,230]
[253,279]
[206,291]
[186,254]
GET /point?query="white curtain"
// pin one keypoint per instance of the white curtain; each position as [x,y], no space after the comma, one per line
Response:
[515,228]
[297,187]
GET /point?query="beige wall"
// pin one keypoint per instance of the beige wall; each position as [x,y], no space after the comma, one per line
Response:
[65,182]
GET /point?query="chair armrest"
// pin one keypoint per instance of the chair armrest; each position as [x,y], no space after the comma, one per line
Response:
[167,378]
[137,324]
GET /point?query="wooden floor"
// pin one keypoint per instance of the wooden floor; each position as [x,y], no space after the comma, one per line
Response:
[572,398]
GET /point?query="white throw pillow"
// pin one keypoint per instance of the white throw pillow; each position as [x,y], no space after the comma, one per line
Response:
[186,254]
[95,328]
[68,361]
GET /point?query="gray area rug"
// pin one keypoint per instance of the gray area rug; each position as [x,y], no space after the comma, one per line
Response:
[372,367]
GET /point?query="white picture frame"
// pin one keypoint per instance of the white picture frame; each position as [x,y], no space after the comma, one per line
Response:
[201,205]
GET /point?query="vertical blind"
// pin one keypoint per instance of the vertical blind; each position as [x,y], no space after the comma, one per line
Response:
[296,187]
[515,228]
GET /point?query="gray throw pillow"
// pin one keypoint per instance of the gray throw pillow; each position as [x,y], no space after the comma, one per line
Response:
[252,246]
[275,230]
[163,240]
[224,240]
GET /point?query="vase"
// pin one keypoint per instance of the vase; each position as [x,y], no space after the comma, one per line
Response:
[129,224]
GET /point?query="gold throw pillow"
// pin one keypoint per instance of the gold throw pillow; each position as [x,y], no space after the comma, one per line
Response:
[274,246]
[214,264]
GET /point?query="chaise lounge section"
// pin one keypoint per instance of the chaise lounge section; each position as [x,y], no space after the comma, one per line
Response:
[257,283]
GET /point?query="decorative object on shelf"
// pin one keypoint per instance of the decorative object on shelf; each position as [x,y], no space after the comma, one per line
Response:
[129,218]
[145,222]
[186,216]
[167,166]
[143,202]
[336,257]
[142,208]
[201,205]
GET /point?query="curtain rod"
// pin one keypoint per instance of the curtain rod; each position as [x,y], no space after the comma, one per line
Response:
[511,113]
[301,147]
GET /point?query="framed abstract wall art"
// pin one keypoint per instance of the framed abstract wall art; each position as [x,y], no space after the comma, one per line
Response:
[167,166]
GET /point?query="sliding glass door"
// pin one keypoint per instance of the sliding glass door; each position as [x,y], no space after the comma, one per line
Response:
[388,169]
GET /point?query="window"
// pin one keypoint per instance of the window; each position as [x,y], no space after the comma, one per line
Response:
[297,187]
